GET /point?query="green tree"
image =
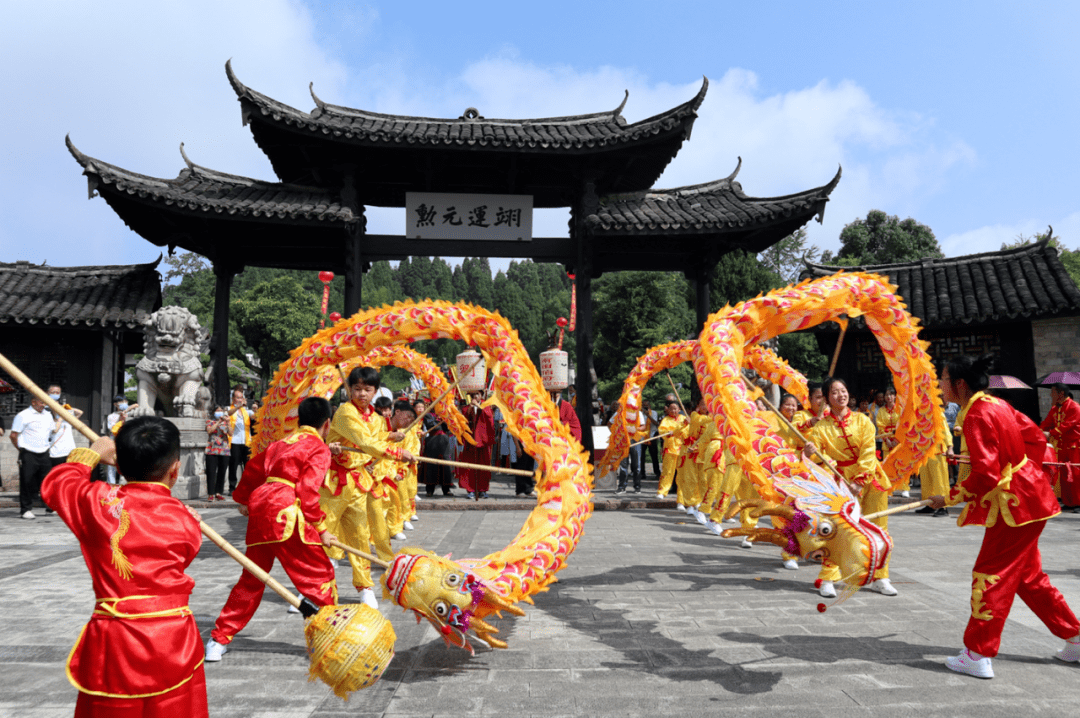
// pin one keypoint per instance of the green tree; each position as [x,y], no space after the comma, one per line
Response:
[785,258]
[183,264]
[274,317]
[480,288]
[634,312]
[884,239]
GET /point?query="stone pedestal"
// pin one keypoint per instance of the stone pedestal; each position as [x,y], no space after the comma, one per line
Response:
[191,483]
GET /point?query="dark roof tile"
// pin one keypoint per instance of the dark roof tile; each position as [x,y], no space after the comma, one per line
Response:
[120,297]
[1028,282]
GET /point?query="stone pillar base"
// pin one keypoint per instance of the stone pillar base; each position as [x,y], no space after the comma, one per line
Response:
[191,484]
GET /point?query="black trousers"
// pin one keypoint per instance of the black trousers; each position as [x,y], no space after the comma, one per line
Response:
[654,454]
[524,484]
[216,465]
[33,467]
[238,457]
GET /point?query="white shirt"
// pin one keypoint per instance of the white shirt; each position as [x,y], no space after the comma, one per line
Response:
[33,428]
[63,441]
[238,429]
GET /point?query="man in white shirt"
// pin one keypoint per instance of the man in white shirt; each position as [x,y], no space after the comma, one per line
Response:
[62,438]
[30,435]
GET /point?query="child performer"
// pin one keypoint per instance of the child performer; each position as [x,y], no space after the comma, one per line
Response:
[686,476]
[886,421]
[403,416]
[675,425]
[279,493]
[140,652]
[1008,493]
[347,494]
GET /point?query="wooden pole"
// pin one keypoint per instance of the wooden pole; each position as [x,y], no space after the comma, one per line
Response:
[357,552]
[453,386]
[646,441]
[828,464]
[677,397]
[210,533]
[458,464]
[836,352]
[899,509]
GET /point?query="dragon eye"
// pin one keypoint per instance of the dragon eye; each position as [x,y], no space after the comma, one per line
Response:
[825,528]
[453,580]
[441,609]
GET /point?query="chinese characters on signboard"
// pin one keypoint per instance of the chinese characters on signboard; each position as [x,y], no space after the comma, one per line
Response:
[440,215]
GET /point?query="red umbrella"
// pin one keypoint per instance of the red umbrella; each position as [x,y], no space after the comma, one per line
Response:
[1072,378]
[6,388]
[1004,381]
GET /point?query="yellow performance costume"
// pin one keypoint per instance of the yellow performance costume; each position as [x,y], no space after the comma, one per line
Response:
[407,475]
[350,495]
[886,427]
[849,442]
[690,490]
[676,426]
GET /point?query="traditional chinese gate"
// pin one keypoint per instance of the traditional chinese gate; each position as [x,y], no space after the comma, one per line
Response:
[468,185]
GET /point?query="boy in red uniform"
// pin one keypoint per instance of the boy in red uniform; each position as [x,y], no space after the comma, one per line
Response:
[140,653]
[1008,493]
[1062,424]
[279,493]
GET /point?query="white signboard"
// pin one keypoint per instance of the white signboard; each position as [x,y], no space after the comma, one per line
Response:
[441,215]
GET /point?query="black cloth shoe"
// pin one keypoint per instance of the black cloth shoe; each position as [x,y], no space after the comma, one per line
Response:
[941,512]
[926,510]
[620,490]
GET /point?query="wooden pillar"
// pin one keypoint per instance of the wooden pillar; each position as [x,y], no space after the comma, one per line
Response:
[583,274]
[703,290]
[354,243]
[222,288]
[354,271]
[583,383]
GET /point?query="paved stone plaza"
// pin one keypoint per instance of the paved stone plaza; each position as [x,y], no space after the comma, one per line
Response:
[653,616]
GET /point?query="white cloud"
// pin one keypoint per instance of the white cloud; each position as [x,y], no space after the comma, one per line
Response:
[990,238]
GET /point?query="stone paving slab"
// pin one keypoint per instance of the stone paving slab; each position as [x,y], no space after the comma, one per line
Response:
[653,617]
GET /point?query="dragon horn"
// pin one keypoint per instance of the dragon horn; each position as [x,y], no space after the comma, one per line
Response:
[502,604]
[493,642]
[481,626]
[771,535]
[739,506]
[782,510]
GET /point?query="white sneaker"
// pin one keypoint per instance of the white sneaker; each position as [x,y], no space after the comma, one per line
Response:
[416,498]
[714,528]
[701,516]
[966,663]
[883,586]
[414,517]
[368,596]
[791,564]
[827,590]
[747,543]
[732,520]
[1070,653]
[407,526]
[680,507]
[293,609]
[214,651]
[906,494]
[659,496]
[399,536]
[29,515]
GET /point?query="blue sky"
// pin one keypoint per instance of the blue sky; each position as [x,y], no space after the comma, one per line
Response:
[961,115]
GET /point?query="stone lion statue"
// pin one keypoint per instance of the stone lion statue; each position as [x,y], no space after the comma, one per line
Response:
[171,369]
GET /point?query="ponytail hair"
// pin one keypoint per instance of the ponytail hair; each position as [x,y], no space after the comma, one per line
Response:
[973,370]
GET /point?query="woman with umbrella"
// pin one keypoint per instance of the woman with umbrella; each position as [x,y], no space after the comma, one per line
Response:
[1062,427]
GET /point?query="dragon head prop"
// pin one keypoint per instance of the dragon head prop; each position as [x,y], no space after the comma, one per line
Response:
[822,521]
[454,600]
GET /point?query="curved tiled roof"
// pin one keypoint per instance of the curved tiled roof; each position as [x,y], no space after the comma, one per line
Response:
[1028,282]
[576,132]
[717,205]
[121,297]
[200,189]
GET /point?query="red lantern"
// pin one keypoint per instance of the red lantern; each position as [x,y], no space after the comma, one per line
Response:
[335,317]
[561,321]
[326,277]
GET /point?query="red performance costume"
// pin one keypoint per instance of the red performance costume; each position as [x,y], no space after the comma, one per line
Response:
[482,422]
[280,487]
[140,654]
[1008,493]
[1063,424]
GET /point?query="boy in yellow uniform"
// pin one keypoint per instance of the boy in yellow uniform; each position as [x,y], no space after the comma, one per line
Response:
[690,492]
[887,419]
[674,424]
[400,494]
[347,493]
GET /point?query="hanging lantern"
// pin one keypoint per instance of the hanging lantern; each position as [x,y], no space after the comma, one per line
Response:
[326,277]
[335,317]
[555,369]
[472,377]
